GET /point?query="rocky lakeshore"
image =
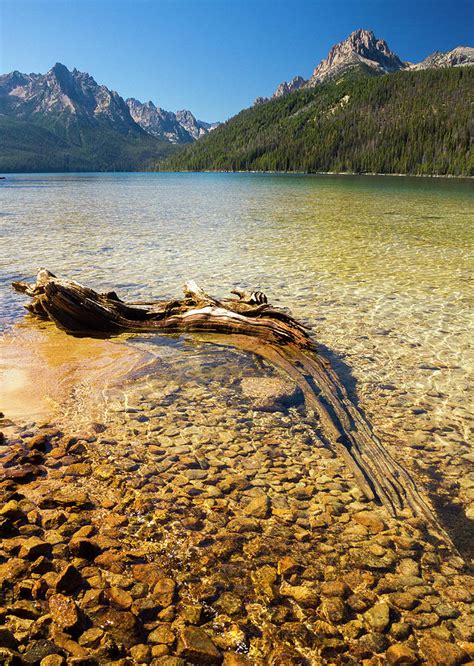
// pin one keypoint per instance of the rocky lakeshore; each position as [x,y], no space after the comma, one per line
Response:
[207,525]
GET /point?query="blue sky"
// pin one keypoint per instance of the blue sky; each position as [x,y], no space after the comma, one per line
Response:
[213,56]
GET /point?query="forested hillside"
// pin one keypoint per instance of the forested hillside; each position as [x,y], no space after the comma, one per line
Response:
[414,122]
[32,146]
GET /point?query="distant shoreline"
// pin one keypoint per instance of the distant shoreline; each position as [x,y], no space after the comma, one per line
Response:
[6,174]
[328,173]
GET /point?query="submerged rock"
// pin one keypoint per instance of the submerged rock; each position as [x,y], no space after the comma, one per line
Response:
[64,611]
[195,646]
[271,394]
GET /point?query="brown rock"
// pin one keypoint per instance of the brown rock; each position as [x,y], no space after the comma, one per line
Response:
[68,579]
[440,652]
[83,548]
[53,518]
[271,393]
[38,443]
[304,595]
[371,520]
[333,610]
[113,560]
[401,655]
[64,641]
[140,654]
[64,611]
[162,635]
[229,603]
[164,590]
[258,507]
[336,588]
[76,498]
[119,597]
[147,609]
[147,573]
[33,548]
[12,570]
[91,638]
[195,646]
[159,651]
[92,598]
[77,469]
[263,581]
[404,600]
[52,660]
[122,626]
[400,630]
[378,617]
[287,566]
[12,511]
[23,474]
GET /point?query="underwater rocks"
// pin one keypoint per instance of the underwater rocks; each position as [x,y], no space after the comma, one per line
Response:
[271,394]
[231,536]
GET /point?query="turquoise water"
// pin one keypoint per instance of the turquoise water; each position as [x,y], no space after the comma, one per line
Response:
[380,267]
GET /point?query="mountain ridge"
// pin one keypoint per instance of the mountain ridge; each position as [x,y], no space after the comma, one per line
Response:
[85,125]
[363,49]
[65,120]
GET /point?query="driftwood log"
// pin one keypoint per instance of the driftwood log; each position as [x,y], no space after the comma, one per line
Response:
[261,329]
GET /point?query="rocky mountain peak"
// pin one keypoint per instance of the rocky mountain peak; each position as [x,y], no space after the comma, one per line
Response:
[362,47]
[286,88]
[60,70]
[179,127]
[458,57]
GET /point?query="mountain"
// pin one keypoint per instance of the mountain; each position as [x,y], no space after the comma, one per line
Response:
[73,96]
[64,120]
[458,57]
[283,89]
[413,122]
[158,122]
[179,127]
[196,128]
[363,50]
[360,48]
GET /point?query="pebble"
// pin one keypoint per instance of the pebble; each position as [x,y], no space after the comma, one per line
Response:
[64,611]
[378,617]
[258,507]
[33,548]
[370,520]
[401,655]
[196,646]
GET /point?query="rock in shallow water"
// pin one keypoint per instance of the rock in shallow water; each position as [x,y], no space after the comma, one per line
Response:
[64,611]
[271,394]
[196,647]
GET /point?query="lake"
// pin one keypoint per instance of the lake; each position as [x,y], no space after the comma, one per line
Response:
[379,267]
[206,509]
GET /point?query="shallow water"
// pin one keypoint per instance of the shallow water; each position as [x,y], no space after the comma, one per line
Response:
[380,267]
